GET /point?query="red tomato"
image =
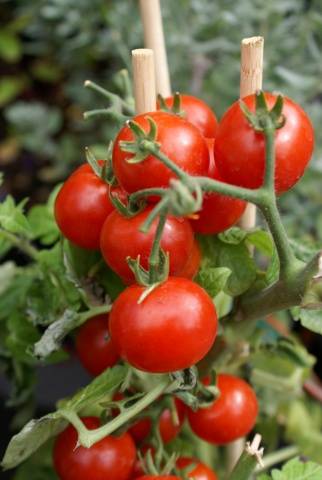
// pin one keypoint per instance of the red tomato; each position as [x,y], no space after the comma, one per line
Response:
[121,238]
[199,472]
[192,266]
[231,416]
[94,346]
[168,429]
[179,140]
[198,113]
[219,212]
[82,206]
[112,457]
[240,151]
[172,329]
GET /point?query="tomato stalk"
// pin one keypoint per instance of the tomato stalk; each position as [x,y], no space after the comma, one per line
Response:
[246,464]
[21,243]
[154,259]
[87,438]
[277,457]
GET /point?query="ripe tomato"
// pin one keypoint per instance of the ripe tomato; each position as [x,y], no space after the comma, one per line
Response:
[192,266]
[198,113]
[231,416]
[172,329]
[121,238]
[94,346]
[112,457]
[168,429]
[179,140]
[218,212]
[240,151]
[159,477]
[199,472]
[82,206]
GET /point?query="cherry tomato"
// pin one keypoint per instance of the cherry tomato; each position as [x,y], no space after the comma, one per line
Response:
[231,416]
[219,212]
[168,429]
[200,470]
[179,140]
[82,206]
[198,113]
[171,329]
[121,238]
[192,266]
[94,346]
[112,457]
[240,151]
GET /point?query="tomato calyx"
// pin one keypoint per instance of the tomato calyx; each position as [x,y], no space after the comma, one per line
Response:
[103,169]
[263,118]
[175,107]
[136,146]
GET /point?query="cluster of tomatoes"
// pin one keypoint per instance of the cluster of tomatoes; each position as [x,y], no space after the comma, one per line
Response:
[176,324]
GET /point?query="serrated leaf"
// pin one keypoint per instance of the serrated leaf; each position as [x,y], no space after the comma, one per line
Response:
[243,269]
[212,279]
[37,432]
[298,470]
[7,273]
[310,319]
[42,221]
[12,218]
[55,333]
[233,236]
[262,241]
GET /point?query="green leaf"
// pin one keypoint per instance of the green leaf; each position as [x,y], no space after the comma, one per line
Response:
[12,217]
[310,319]
[37,432]
[21,335]
[42,221]
[233,236]
[10,88]
[10,46]
[212,279]
[8,271]
[298,470]
[53,336]
[14,296]
[262,241]
[243,269]
[304,431]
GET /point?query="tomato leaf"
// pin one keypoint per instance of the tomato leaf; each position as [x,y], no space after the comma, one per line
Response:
[213,279]
[42,221]
[37,432]
[310,319]
[233,236]
[262,241]
[243,269]
[12,217]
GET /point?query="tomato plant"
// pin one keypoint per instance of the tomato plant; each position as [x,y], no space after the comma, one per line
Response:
[112,457]
[199,470]
[240,151]
[93,336]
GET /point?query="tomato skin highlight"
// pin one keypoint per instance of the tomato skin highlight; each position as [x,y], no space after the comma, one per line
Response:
[121,238]
[179,140]
[231,416]
[82,206]
[94,347]
[240,151]
[199,472]
[112,457]
[197,112]
[176,323]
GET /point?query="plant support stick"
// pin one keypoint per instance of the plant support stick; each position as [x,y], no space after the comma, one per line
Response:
[144,80]
[154,39]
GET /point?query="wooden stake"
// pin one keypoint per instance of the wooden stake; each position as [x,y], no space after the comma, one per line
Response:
[144,80]
[154,39]
[251,78]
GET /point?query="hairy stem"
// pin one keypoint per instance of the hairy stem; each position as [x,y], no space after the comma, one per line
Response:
[155,252]
[248,460]
[21,243]
[87,438]
[278,457]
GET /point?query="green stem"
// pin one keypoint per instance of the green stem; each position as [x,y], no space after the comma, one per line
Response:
[154,150]
[112,97]
[107,112]
[278,457]
[147,192]
[158,209]
[21,243]
[285,254]
[247,461]
[87,438]
[155,251]
[247,194]
[269,178]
